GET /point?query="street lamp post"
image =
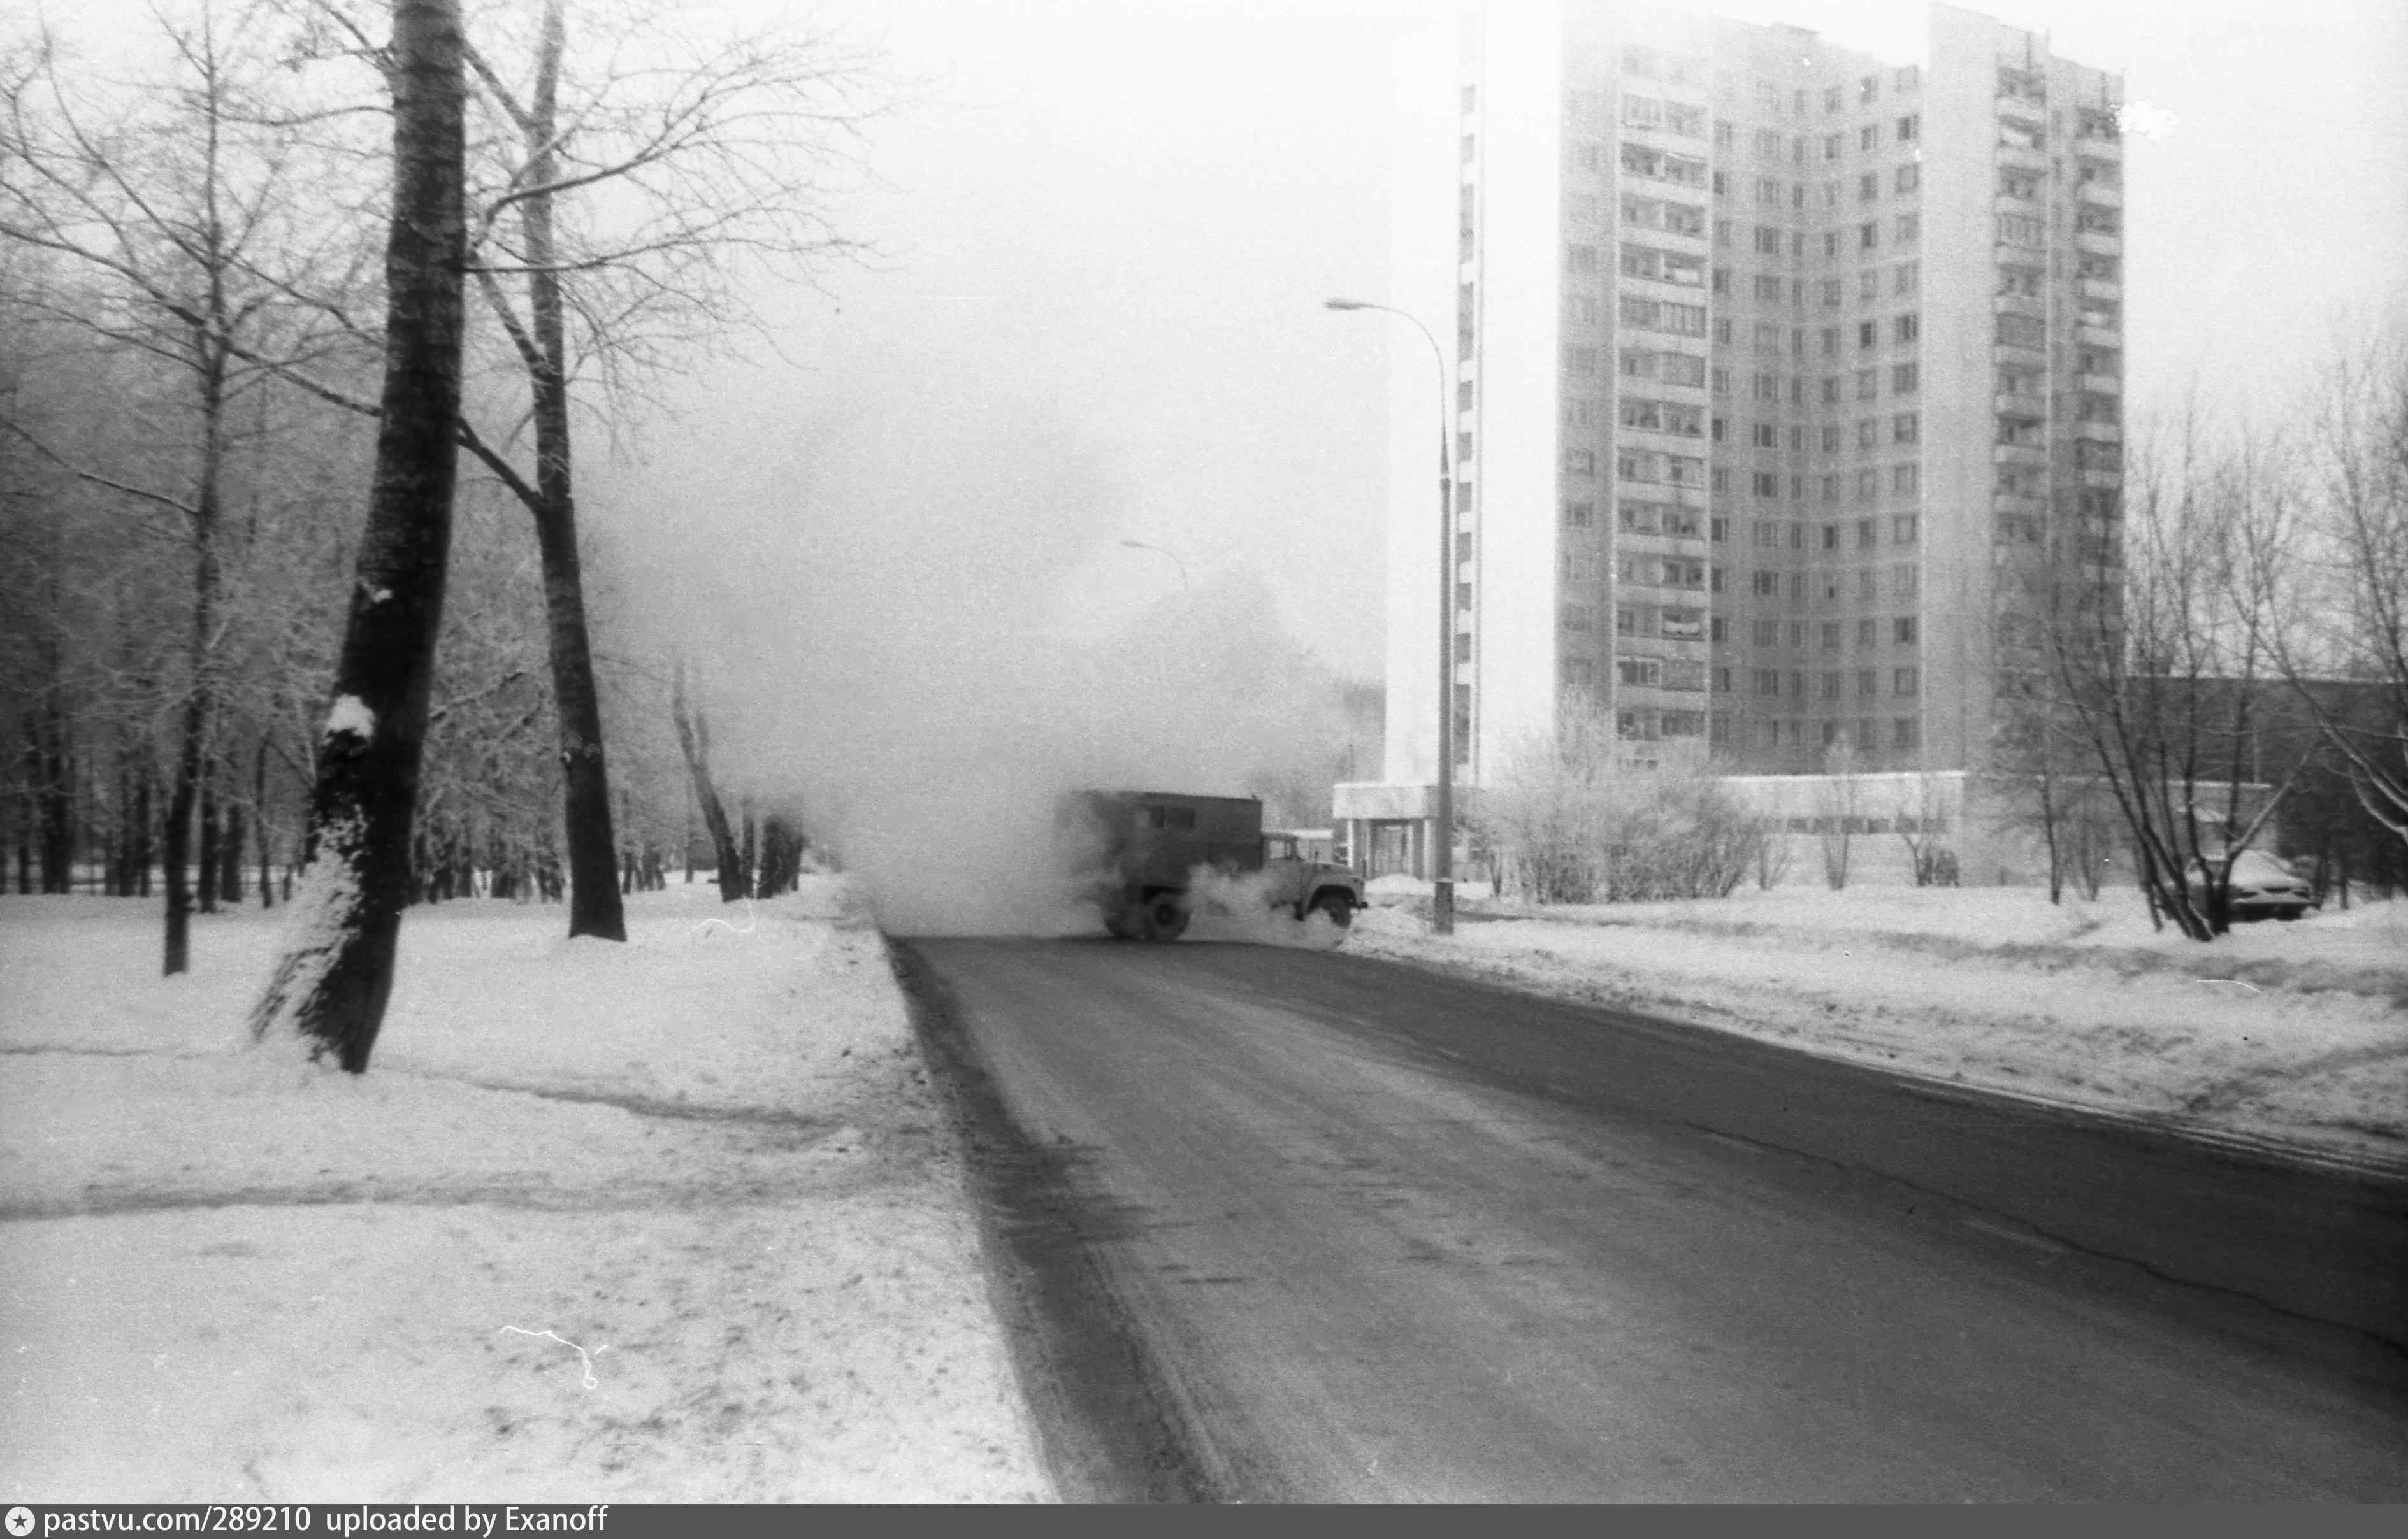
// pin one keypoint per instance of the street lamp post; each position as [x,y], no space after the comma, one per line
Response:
[1140,545]
[1443,832]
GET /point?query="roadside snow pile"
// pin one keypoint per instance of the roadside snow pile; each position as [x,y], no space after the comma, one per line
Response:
[671,1220]
[2362,950]
[1994,988]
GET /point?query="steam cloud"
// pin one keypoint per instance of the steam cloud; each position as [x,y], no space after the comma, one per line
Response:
[873,603]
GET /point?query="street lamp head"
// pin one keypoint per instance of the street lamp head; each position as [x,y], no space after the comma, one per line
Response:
[1346,305]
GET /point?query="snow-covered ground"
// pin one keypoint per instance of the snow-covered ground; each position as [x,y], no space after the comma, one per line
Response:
[2290,1033]
[674,1220]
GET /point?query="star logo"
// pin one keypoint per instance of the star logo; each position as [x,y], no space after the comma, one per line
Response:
[21,1521]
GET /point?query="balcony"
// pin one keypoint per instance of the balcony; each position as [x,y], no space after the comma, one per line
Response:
[2097,243]
[2023,109]
[2020,406]
[2102,481]
[2098,288]
[2020,304]
[2030,507]
[2099,384]
[2100,194]
[2023,158]
[2019,454]
[2099,432]
[2032,357]
[2099,147]
[2004,255]
[2098,336]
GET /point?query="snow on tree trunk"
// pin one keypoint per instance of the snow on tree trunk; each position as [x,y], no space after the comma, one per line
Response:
[331,984]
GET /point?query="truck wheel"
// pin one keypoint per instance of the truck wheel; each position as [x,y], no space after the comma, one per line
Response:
[1162,918]
[1340,912]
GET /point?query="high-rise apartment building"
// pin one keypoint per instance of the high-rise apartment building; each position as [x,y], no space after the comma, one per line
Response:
[1783,377]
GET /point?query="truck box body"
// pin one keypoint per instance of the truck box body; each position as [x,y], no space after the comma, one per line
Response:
[1156,839]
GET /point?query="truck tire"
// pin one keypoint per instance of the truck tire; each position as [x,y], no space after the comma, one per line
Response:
[1162,918]
[1340,912]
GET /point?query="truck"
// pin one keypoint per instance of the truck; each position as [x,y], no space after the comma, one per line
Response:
[1144,847]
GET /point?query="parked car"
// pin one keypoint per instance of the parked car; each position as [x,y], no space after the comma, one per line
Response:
[2261,885]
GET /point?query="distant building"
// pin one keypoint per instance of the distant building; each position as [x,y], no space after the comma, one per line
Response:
[1781,379]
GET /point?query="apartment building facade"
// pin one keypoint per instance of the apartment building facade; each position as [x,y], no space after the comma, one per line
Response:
[1783,379]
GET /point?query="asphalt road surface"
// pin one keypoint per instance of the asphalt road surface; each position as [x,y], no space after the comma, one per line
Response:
[1327,1229]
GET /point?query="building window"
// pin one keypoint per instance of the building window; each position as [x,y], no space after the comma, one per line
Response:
[1905,428]
[1909,276]
[1767,633]
[1766,682]
[1867,485]
[1904,478]
[1580,461]
[1906,732]
[1909,127]
[1868,635]
[1902,530]
[1868,235]
[1868,384]
[1902,579]
[1767,484]
[1830,635]
[1867,334]
[1867,432]
[1580,259]
[1869,283]
[1575,617]
[1904,681]
[1909,227]
[1904,379]
[1903,630]
[1831,291]
[1767,584]
[1910,326]
[1869,137]
[1909,177]
[1579,515]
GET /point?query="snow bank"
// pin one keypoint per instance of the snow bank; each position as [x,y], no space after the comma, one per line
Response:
[2294,1035]
[676,1220]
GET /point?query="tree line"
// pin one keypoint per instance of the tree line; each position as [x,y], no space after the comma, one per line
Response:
[272,262]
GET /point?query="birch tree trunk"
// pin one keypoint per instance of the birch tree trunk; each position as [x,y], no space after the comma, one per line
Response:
[331,984]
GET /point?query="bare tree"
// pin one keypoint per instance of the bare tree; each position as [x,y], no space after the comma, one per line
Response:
[331,983]
[182,211]
[615,198]
[693,741]
[2162,663]
[2353,577]
[1839,811]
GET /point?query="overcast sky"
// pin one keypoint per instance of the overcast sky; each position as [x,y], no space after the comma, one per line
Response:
[1124,216]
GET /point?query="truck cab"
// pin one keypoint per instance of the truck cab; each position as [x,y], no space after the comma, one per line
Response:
[1299,875]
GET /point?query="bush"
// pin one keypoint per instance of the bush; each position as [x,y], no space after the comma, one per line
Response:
[1567,828]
